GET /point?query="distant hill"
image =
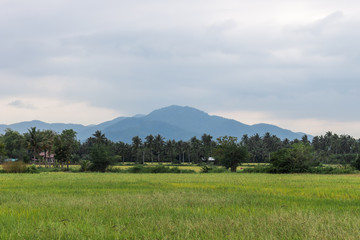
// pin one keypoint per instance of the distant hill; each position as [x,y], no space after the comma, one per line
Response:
[23,127]
[173,122]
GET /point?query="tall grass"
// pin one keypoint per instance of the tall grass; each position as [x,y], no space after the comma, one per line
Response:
[179,206]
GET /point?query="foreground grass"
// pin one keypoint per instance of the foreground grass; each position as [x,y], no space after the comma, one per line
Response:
[179,206]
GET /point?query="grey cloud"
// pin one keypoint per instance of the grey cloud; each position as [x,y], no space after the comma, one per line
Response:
[21,104]
[134,66]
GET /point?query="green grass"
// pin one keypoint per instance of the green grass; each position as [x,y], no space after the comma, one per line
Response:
[179,206]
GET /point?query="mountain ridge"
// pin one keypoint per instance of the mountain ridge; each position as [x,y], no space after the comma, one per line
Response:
[172,122]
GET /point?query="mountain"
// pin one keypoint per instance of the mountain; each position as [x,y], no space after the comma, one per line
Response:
[126,129]
[198,121]
[173,122]
[89,130]
[23,127]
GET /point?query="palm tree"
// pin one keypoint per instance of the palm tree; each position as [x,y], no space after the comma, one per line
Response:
[48,137]
[150,144]
[158,144]
[99,137]
[169,150]
[136,144]
[34,142]
[206,142]
[195,149]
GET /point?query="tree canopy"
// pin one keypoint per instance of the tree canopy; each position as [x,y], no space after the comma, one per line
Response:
[229,153]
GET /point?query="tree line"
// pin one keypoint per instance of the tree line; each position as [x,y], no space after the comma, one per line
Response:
[38,145]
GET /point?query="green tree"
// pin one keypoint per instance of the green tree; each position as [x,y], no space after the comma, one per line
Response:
[100,158]
[256,148]
[99,137]
[195,145]
[15,145]
[34,140]
[229,153]
[170,150]
[150,145]
[2,151]
[159,145]
[136,144]
[180,148]
[65,144]
[207,145]
[297,159]
[47,144]
[356,163]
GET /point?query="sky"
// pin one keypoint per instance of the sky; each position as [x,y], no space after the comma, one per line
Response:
[294,64]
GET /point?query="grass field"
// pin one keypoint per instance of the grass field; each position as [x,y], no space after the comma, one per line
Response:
[179,206]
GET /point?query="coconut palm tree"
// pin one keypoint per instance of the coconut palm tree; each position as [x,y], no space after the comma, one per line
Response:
[159,145]
[34,140]
[99,137]
[136,144]
[150,145]
[48,137]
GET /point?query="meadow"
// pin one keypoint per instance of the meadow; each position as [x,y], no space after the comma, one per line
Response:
[179,206]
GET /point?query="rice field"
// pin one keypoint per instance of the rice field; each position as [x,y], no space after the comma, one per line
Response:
[179,206]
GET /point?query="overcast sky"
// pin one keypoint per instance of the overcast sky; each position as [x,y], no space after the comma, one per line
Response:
[295,64]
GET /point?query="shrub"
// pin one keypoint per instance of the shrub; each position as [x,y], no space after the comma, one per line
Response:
[55,169]
[14,167]
[85,165]
[115,170]
[205,169]
[331,170]
[212,169]
[137,169]
[157,169]
[257,169]
[32,169]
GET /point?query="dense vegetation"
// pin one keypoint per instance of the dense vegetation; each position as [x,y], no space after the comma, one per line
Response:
[98,152]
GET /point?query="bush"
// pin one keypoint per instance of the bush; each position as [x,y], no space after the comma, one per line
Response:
[258,169]
[14,167]
[85,165]
[55,169]
[212,169]
[157,169]
[331,170]
[315,170]
[32,169]
[136,169]
[205,169]
[115,170]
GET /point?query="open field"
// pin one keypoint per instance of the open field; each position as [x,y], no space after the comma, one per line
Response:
[179,206]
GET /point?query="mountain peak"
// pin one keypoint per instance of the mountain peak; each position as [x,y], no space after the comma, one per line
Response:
[176,109]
